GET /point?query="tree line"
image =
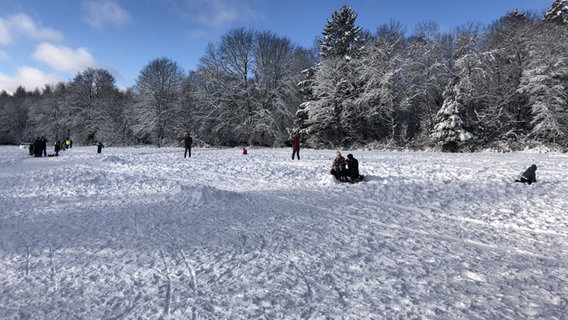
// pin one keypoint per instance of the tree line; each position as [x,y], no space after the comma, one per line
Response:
[502,86]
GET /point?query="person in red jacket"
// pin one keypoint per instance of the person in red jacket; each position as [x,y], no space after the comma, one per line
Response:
[295,146]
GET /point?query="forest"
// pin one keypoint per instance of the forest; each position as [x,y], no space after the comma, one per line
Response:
[502,86]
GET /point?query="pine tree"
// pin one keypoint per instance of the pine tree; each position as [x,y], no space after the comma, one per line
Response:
[330,112]
[558,12]
[448,131]
[340,35]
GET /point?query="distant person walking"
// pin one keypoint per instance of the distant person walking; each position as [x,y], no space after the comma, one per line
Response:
[295,146]
[187,142]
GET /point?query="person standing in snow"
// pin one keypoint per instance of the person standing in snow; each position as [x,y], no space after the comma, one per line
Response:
[44,146]
[187,142]
[338,169]
[37,147]
[56,146]
[529,176]
[100,147]
[295,146]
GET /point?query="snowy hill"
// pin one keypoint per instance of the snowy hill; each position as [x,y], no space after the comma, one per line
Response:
[142,233]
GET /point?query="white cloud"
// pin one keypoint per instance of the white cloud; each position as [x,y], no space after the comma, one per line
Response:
[101,13]
[62,58]
[218,13]
[29,78]
[21,25]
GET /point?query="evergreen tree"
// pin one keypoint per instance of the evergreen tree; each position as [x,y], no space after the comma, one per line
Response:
[331,114]
[558,12]
[340,34]
[306,89]
[448,131]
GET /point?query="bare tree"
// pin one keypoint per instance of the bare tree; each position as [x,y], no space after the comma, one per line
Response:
[381,106]
[158,92]
[91,98]
[246,88]
[427,68]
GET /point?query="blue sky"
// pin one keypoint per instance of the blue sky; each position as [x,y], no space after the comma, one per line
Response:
[47,41]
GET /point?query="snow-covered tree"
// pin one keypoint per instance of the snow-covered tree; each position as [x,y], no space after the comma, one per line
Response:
[448,132]
[381,106]
[14,117]
[92,97]
[306,89]
[340,34]
[505,114]
[158,93]
[558,12]
[426,72]
[276,93]
[331,114]
[53,114]
[248,88]
[545,83]
[332,111]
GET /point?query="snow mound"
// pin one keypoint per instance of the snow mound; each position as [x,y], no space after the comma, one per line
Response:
[115,160]
[207,195]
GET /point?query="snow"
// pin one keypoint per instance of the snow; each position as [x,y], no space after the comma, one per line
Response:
[142,233]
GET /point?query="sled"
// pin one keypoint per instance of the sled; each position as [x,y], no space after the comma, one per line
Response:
[359,179]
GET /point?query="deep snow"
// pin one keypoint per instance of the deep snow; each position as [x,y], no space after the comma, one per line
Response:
[142,233]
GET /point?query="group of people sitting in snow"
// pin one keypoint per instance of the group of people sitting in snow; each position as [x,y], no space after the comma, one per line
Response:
[345,170]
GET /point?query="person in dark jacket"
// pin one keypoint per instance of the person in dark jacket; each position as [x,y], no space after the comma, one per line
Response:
[529,176]
[37,147]
[187,142]
[56,146]
[353,168]
[100,147]
[44,146]
[295,146]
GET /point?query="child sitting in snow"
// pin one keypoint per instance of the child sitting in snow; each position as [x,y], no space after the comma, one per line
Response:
[529,176]
[338,167]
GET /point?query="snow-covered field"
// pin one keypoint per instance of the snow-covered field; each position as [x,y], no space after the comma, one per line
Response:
[142,233]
